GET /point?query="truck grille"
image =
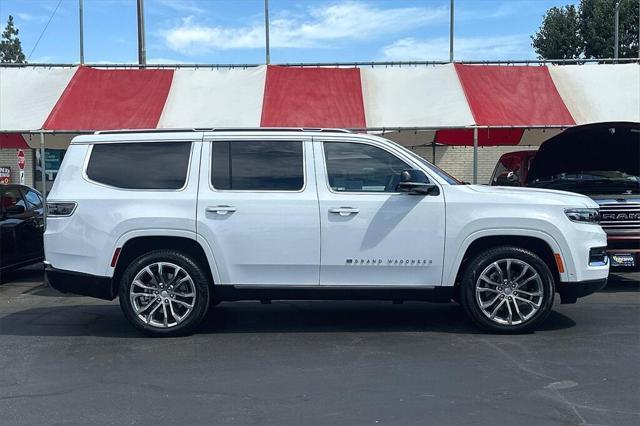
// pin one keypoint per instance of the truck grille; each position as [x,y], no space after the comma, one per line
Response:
[620,216]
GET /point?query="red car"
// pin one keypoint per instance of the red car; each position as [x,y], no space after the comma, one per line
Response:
[600,160]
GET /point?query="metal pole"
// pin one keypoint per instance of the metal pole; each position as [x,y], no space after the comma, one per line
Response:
[42,168]
[475,155]
[81,32]
[433,149]
[451,33]
[617,31]
[266,32]
[142,53]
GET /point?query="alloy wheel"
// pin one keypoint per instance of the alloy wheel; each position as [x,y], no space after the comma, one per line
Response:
[162,294]
[509,291]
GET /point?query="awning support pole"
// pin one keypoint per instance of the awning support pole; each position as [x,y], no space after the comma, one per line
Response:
[433,148]
[42,169]
[475,155]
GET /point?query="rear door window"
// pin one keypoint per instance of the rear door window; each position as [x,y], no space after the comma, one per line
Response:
[140,165]
[257,166]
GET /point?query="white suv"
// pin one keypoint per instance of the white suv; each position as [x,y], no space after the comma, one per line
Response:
[172,222]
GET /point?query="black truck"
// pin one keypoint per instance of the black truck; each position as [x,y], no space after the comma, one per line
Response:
[600,160]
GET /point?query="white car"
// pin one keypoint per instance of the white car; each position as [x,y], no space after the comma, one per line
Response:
[173,222]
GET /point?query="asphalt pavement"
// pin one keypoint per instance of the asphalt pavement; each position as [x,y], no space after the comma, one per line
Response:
[75,360]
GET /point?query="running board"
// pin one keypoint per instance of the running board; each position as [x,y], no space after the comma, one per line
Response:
[266,294]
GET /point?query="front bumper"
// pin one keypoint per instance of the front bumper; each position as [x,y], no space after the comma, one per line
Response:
[571,291]
[627,246]
[82,284]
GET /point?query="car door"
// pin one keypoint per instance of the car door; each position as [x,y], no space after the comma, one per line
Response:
[7,242]
[35,209]
[258,210]
[372,234]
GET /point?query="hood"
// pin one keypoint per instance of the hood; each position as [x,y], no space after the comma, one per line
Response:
[611,146]
[533,195]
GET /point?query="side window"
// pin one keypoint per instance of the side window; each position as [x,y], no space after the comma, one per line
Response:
[140,165]
[356,167]
[33,200]
[507,164]
[257,166]
[11,200]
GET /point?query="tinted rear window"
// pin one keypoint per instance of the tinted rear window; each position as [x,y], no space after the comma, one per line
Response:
[257,166]
[148,165]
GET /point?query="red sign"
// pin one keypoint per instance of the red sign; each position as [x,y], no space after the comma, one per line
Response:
[21,159]
[5,175]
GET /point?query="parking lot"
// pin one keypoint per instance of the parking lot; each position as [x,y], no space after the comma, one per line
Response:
[75,360]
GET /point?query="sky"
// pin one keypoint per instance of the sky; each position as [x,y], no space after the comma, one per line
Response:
[232,31]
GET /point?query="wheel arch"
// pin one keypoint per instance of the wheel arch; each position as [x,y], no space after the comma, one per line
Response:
[539,243]
[137,244]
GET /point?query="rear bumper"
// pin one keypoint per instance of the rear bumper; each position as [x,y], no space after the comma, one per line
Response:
[571,291]
[82,284]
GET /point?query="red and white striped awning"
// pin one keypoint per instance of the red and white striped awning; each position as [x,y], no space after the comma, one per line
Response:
[402,102]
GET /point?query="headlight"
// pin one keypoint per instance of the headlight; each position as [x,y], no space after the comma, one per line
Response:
[583,215]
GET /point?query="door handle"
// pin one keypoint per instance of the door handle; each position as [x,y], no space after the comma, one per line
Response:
[220,209]
[344,211]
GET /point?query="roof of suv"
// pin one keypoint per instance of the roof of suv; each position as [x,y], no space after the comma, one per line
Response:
[188,134]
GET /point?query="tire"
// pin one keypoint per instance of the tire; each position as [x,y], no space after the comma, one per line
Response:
[178,290]
[525,300]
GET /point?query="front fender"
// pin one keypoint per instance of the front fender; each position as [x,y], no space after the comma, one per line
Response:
[556,243]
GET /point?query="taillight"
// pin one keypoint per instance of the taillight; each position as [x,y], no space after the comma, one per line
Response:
[61,209]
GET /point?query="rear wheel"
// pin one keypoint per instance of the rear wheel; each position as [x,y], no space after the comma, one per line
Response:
[507,290]
[164,293]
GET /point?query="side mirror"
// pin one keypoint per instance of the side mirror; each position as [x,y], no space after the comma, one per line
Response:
[415,182]
[508,179]
[14,210]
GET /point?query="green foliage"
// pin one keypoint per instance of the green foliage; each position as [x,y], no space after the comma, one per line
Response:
[567,33]
[559,35]
[10,46]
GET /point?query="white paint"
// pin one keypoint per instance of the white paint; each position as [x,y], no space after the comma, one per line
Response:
[414,97]
[27,95]
[595,93]
[274,237]
[205,98]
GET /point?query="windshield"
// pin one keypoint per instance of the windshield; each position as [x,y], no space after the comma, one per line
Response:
[451,180]
[591,182]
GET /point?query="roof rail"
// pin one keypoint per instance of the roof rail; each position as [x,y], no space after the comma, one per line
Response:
[226,129]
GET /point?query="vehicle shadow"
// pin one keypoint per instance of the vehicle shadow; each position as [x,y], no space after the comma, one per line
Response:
[106,320]
[623,282]
[34,273]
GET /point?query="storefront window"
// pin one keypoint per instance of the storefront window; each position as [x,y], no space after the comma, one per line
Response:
[52,160]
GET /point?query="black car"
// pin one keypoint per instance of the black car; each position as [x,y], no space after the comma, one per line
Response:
[21,227]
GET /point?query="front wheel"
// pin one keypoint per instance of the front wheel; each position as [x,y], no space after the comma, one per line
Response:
[507,290]
[164,293]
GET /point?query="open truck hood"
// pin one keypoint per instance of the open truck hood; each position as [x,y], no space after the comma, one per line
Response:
[610,146]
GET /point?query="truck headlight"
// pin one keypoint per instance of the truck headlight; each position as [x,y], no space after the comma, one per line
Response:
[585,215]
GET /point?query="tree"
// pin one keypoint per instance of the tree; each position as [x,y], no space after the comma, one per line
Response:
[597,28]
[588,32]
[10,46]
[559,35]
